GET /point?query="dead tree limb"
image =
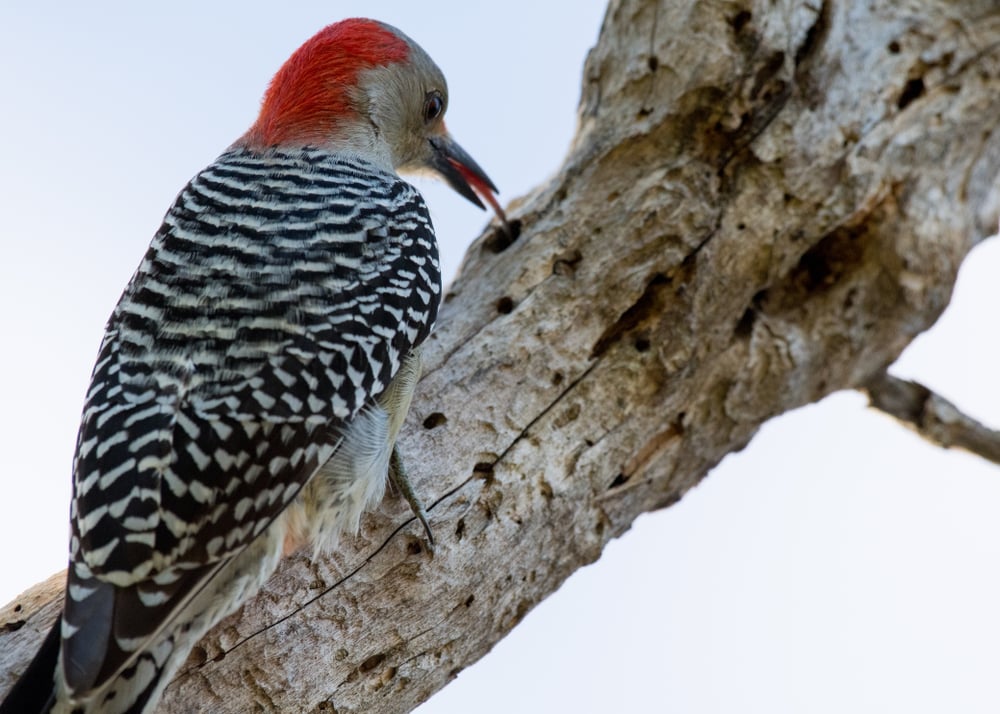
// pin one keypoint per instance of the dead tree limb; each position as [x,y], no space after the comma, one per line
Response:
[932,416]
[764,203]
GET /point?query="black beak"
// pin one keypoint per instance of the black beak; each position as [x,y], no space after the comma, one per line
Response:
[463,174]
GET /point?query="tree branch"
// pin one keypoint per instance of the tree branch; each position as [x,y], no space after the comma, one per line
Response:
[932,416]
[764,203]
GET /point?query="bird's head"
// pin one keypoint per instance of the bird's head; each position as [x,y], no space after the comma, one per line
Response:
[363,86]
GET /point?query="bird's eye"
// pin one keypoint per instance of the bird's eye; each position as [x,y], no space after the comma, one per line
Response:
[433,106]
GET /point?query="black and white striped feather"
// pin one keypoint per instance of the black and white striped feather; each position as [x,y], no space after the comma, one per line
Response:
[278,299]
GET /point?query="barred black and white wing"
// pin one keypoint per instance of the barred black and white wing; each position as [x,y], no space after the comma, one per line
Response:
[276,302]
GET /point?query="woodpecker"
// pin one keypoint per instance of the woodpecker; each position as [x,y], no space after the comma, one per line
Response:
[255,373]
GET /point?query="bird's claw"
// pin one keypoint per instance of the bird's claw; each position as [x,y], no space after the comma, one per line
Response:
[401,482]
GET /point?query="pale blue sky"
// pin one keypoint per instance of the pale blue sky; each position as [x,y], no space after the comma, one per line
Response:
[838,564]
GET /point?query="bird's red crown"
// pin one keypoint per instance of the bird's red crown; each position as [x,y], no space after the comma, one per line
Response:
[308,96]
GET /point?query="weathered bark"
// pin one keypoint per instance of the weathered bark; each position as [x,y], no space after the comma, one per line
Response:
[765,202]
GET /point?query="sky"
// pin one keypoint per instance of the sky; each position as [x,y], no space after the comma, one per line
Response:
[838,563]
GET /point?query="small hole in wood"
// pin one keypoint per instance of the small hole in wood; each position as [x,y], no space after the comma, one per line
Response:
[505,305]
[372,662]
[913,90]
[744,328]
[434,420]
[199,655]
[482,468]
[502,239]
[740,20]
[620,480]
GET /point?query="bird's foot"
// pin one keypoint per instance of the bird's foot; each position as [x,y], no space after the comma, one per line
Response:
[401,482]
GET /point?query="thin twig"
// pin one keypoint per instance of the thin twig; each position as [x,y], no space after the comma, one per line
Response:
[932,416]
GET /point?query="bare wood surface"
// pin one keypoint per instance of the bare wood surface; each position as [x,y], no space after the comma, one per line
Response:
[765,202]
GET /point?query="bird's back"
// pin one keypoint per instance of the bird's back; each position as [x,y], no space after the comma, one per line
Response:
[279,298]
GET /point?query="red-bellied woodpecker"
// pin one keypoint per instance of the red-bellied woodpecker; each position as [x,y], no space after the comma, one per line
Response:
[254,375]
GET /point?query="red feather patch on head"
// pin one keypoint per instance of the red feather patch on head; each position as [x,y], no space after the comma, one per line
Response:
[308,96]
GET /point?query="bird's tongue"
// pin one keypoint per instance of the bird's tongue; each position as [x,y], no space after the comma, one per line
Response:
[463,173]
[481,185]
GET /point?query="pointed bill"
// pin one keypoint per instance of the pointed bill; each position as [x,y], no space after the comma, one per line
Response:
[463,174]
